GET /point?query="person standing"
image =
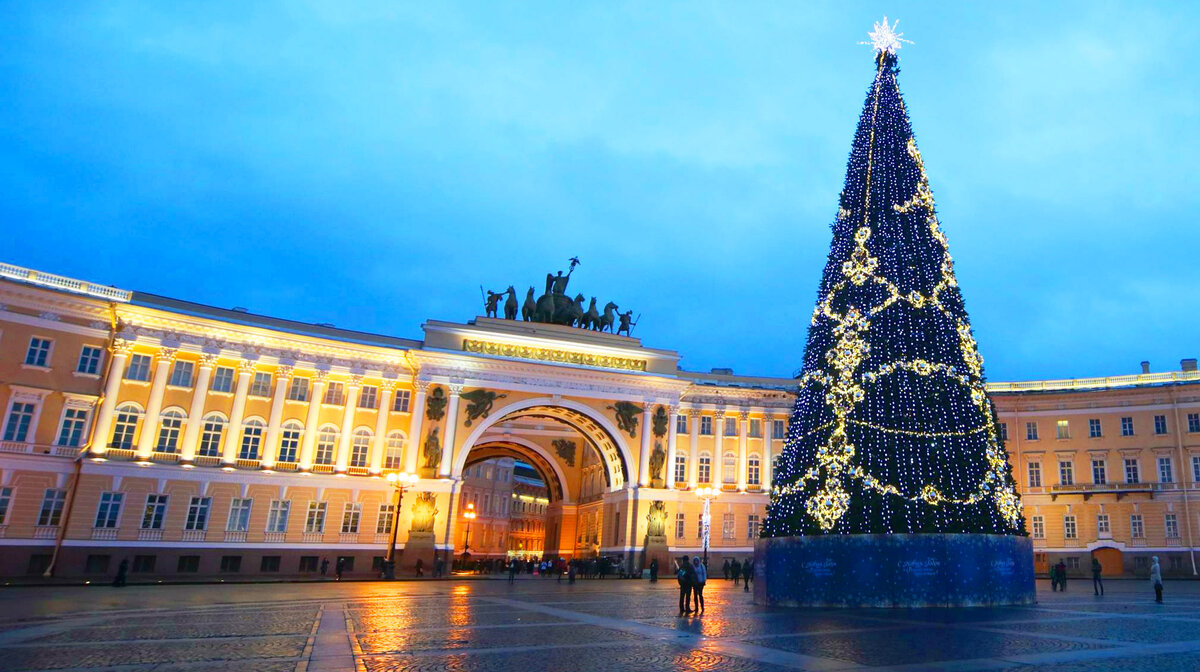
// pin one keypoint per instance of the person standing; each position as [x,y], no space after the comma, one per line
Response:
[572,568]
[701,573]
[746,569]
[1061,568]
[512,571]
[420,568]
[725,569]
[1097,583]
[684,574]
[341,566]
[1156,579]
[654,571]
[735,570]
[439,567]
[123,569]
[324,566]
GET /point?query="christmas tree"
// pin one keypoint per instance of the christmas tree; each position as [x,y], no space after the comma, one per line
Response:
[893,430]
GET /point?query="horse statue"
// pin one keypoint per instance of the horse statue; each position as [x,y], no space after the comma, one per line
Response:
[510,306]
[529,307]
[609,318]
[591,319]
[574,316]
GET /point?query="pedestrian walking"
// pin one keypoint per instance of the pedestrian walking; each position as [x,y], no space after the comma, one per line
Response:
[698,584]
[324,566]
[572,568]
[1061,571]
[439,567]
[1097,583]
[122,570]
[684,574]
[341,565]
[512,571]
[1156,579]
[746,569]
[735,570]
[654,571]
[725,569]
[420,568]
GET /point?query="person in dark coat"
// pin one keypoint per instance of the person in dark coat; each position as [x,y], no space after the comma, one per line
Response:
[341,565]
[746,570]
[1097,583]
[725,569]
[654,571]
[420,567]
[735,570]
[1062,575]
[122,570]
[324,566]
[686,577]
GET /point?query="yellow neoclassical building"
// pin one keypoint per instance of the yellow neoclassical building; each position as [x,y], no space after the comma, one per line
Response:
[195,441]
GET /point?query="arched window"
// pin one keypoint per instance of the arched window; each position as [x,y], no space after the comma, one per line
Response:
[754,470]
[211,435]
[327,440]
[729,467]
[168,432]
[125,426]
[395,451]
[289,441]
[680,468]
[704,470]
[252,432]
[360,448]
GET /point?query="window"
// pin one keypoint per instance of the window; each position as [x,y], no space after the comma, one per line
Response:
[156,510]
[1072,562]
[383,524]
[315,522]
[252,433]
[188,564]
[260,386]
[395,451]
[108,513]
[731,426]
[181,374]
[351,516]
[144,564]
[239,515]
[97,564]
[402,400]
[326,445]
[680,525]
[1102,525]
[752,526]
[308,563]
[1193,420]
[1160,424]
[369,397]
[704,470]
[289,441]
[5,502]
[73,423]
[1039,527]
[38,353]
[168,432]
[231,564]
[727,526]
[1031,431]
[1070,530]
[700,527]
[1131,471]
[1141,562]
[139,368]
[1004,431]
[1165,473]
[1099,475]
[778,429]
[1171,522]
[298,390]
[52,507]
[729,467]
[20,416]
[1094,428]
[1062,430]
[680,468]
[360,448]
[753,470]
[681,423]
[222,379]
[1126,426]
[210,437]
[1176,563]
[1195,469]
[89,360]
[756,428]
[269,564]
[1066,473]
[1035,474]
[706,427]
[1137,529]
[333,394]
[125,427]
[197,516]
[277,515]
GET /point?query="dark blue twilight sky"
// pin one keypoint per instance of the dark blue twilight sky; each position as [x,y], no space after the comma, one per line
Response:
[372,166]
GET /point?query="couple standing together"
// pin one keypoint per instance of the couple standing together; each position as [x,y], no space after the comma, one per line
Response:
[691,576]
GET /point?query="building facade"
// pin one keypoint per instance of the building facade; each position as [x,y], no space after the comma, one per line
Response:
[197,441]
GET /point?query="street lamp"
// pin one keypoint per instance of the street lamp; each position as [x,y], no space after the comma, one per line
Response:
[468,515]
[399,482]
[707,494]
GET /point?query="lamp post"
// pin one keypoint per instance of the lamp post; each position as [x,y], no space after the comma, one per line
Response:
[399,482]
[707,494]
[468,515]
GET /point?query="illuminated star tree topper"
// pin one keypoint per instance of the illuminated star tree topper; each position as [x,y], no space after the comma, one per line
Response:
[884,38]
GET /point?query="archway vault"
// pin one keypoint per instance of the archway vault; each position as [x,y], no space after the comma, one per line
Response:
[492,446]
[593,425]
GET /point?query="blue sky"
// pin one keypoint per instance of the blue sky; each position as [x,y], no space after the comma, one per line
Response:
[371,166]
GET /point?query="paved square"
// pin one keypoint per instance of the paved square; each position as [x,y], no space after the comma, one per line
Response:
[538,624]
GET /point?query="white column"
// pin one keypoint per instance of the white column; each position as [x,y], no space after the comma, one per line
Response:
[234,433]
[116,371]
[743,456]
[195,420]
[417,413]
[311,419]
[451,426]
[381,425]
[672,433]
[270,451]
[768,433]
[694,447]
[343,450]
[718,465]
[158,386]
[644,456]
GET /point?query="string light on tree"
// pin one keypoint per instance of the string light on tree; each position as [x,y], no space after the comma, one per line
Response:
[893,430]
